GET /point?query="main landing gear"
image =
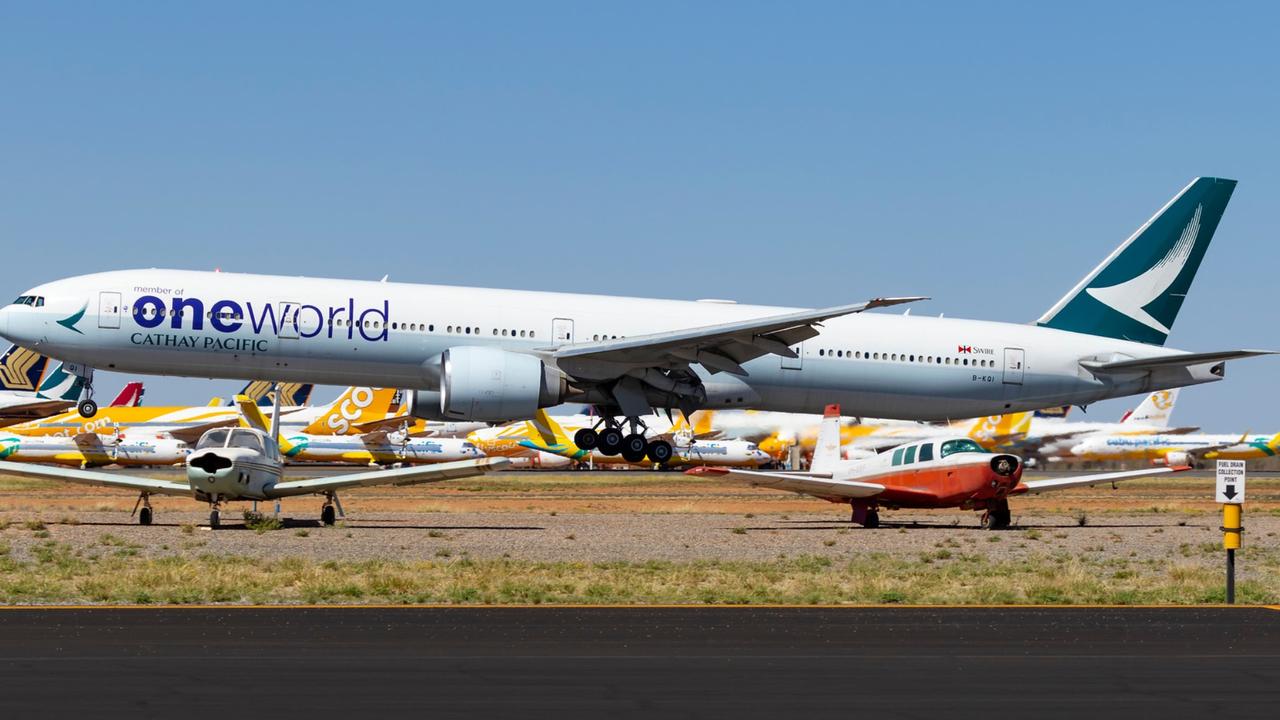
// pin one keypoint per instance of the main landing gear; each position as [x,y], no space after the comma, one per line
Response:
[144,513]
[867,517]
[608,437]
[997,516]
[331,509]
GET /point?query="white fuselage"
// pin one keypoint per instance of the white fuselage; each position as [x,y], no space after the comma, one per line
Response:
[224,325]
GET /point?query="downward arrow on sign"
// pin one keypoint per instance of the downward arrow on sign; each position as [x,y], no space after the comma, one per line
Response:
[1229,491]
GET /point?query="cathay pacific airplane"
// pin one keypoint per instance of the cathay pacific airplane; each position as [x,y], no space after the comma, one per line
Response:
[496,355]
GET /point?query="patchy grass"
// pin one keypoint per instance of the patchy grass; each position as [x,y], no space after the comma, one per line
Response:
[55,573]
[260,523]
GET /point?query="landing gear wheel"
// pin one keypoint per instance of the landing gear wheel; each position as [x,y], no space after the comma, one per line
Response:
[87,408]
[634,447]
[215,519]
[327,515]
[997,516]
[610,441]
[872,521]
[144,516]
[660,451]
[586,438]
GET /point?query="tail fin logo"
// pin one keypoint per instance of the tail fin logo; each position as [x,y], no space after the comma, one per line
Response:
[16,369]
[1162,400]
[1130,297]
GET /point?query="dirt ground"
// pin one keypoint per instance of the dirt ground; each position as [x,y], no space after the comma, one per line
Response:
[633,516]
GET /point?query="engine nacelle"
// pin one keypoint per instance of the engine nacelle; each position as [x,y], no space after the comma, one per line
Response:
[489,385]
[1175,459]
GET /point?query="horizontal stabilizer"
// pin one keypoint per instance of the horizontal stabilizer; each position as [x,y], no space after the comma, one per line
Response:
[1171,361]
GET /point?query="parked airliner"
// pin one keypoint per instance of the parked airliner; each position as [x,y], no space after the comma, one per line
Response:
[497,355]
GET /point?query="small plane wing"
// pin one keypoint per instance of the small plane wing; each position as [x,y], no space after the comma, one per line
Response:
[1039,486]
[816,484]
[1179,360]
[91,477]
[399,476]
[718,348]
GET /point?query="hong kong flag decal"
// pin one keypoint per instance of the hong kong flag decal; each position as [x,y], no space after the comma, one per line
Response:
[964,348]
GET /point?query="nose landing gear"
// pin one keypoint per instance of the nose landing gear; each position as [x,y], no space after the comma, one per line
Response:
[997,516]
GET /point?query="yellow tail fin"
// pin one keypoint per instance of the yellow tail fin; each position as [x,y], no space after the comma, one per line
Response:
[215,402]
[354,406]
[251,417]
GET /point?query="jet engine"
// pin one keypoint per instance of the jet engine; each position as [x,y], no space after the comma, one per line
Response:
[489,385]
[1176,458]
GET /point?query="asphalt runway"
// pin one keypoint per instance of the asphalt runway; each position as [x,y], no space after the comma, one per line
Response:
[640,662]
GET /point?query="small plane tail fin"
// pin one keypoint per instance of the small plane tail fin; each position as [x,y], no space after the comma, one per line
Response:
[826,454]
[1137,291]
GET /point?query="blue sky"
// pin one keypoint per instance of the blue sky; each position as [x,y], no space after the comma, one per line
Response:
[806,154]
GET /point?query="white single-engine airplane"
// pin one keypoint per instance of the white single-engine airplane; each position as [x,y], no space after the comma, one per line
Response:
[474,354]
[230,464]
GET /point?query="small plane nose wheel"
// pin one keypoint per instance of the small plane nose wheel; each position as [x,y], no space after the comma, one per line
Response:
[215,514]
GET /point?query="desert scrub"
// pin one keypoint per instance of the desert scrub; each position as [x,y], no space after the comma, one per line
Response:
[260,523]
[55,573]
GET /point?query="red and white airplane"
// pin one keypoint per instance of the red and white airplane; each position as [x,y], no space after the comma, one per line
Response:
[937,473]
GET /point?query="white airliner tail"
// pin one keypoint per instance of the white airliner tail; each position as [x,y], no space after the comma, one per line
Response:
[826,454]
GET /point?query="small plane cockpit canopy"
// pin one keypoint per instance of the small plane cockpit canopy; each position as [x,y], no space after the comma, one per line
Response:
[951,447]
[213,439]
[239,438]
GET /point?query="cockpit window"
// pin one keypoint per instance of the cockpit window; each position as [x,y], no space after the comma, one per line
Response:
[39,302]
[245,439]
[213,438]
[958,446]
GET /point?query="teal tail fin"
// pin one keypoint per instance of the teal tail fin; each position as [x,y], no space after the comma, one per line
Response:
[1135,294]
[61,385]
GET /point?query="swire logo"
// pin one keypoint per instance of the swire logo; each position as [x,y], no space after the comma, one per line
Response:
[283,319]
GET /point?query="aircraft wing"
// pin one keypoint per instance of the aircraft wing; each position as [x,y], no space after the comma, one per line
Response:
[92,477]
[33,409]
[718,348]
[816,484]
[1039,486]
[1171,361]
[399,476]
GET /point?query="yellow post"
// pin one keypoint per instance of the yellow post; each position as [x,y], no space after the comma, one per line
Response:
[1231,530]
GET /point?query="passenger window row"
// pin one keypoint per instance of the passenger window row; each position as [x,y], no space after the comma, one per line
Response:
[913,453]
[905,357]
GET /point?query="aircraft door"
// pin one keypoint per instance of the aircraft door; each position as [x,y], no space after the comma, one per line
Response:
[1014,365]
[287,314]
[109,310]
[562,330]
[795,362]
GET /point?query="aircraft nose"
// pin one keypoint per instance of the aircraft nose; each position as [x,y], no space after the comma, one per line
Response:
[4,320]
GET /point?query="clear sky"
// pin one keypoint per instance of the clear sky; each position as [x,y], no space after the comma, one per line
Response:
[986,154]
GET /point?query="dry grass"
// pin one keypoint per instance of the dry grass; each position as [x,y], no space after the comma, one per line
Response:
[58,574]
